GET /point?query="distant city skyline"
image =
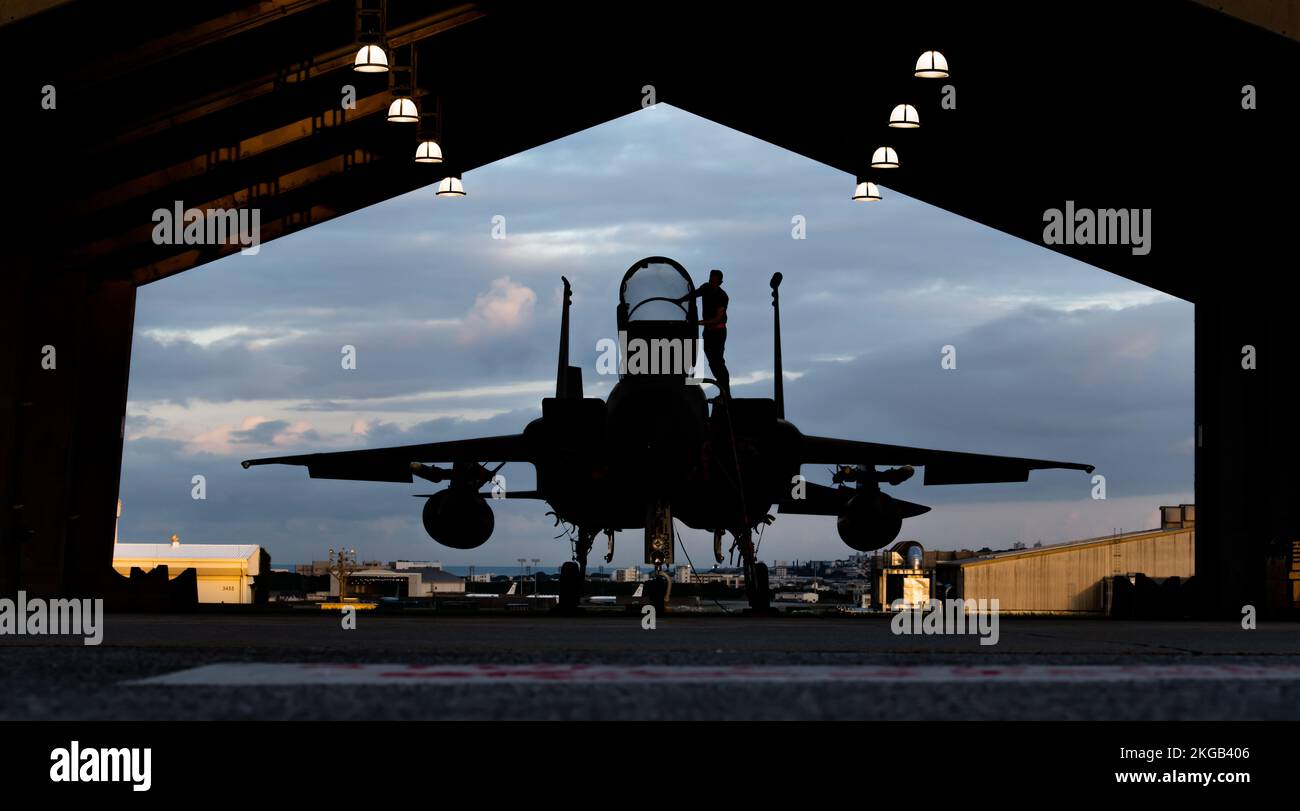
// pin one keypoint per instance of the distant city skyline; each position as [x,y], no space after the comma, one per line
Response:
[455,336]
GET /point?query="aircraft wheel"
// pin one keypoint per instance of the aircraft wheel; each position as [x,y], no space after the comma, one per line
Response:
[570,586]
[656,593]
[756,588]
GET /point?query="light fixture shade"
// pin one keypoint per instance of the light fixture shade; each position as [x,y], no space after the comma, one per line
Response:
[428,152]
[884,158]
[931,65]
[904,117]
[403,111]
[371,59]
[451,187]
[866,192]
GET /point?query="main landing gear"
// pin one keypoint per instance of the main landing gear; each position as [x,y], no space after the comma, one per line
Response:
[658,588]
[756,583]
[574,572]
[570,588]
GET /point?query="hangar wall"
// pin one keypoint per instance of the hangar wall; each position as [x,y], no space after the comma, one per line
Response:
[61,432]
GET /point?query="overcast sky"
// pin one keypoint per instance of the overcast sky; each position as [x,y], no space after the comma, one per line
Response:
[455,335]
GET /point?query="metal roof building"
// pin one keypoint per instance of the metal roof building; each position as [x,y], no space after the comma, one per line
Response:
[225,571]
[1071,577]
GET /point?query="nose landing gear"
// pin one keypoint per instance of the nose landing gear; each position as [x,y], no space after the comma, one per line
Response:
[659,547]
[657,590]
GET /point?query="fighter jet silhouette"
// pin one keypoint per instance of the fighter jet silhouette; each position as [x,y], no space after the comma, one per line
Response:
[657,450]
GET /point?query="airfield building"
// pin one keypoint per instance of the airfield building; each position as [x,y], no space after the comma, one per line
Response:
[1077,576]
[225,572]
[421,582]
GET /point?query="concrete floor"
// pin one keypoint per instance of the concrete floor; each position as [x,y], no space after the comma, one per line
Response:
[60,678]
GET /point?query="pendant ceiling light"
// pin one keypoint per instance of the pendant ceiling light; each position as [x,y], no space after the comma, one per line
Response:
[451,187]
[371,23]
[371,59]
[884,158]
[428,151]
[866,192]
[904,117]
[403,111]
[931,65]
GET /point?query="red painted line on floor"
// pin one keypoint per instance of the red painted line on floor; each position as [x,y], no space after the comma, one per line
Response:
[258,673]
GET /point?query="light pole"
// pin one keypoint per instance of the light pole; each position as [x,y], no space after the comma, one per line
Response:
[536,574]
[341,564]
[522,561]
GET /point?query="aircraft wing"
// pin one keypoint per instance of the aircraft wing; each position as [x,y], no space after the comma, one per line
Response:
[394,464]
[941,467]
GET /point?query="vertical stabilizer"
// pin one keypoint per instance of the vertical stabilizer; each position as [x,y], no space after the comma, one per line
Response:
[562,370]
[778,380]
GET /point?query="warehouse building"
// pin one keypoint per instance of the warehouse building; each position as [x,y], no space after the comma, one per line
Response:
[1076,577]
[410,582]
[225,572]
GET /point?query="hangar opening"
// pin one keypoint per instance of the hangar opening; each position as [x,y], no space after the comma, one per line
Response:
[237,103]
[424,318]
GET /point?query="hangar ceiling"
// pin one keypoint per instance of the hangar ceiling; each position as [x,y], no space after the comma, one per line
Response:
[1279,17]
[236,103]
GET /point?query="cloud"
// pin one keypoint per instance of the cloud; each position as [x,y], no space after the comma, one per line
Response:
[272,432]
[262,432]
[505,309]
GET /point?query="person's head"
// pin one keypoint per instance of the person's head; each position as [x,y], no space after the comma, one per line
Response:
[715,277]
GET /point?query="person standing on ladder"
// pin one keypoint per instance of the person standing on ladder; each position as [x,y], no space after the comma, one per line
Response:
[714,309]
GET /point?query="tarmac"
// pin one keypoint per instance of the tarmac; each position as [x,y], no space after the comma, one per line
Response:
[689,667]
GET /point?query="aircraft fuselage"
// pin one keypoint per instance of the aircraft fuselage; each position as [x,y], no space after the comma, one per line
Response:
[655,439]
